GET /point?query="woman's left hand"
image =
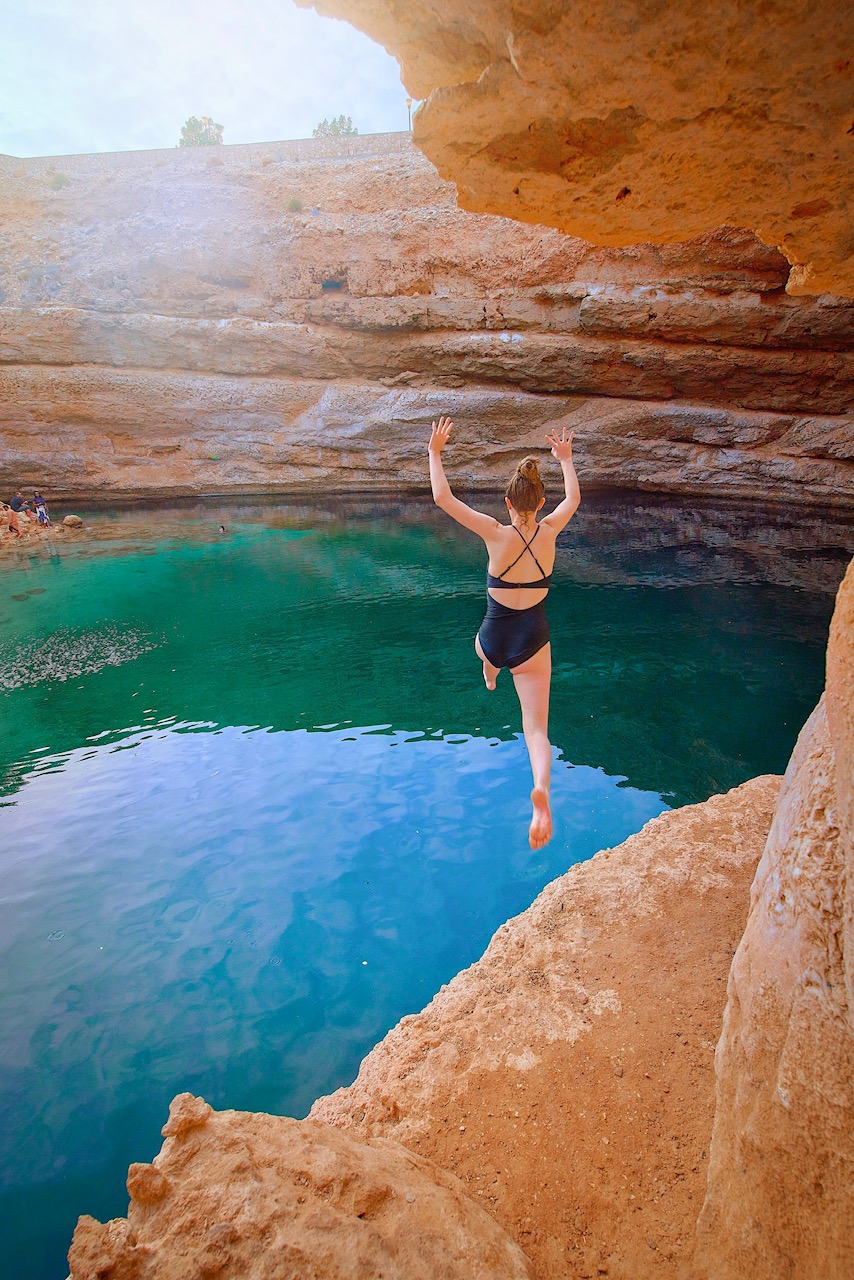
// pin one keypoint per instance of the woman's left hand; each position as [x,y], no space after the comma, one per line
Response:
[439,435]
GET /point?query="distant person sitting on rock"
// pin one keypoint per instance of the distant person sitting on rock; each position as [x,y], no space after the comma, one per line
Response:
[11,518]
[41,509]
[17,503]
[515,631]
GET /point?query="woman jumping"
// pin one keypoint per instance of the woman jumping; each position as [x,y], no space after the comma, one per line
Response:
[515,631]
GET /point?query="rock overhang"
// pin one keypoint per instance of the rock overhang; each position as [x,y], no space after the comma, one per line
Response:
[638,123]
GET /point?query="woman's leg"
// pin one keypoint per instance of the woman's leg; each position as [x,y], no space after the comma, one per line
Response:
[490,673]
[533,683]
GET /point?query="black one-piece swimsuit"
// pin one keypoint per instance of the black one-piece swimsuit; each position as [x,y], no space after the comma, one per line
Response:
[509,637]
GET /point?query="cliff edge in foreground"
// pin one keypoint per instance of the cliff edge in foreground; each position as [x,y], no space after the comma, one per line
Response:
[566,1080]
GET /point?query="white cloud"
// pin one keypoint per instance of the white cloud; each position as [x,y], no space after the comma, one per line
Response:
[110,77]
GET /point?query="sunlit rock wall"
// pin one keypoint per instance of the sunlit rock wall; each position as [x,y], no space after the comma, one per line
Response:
[279,317]
[567,1076]
[780,1198]
[629,122]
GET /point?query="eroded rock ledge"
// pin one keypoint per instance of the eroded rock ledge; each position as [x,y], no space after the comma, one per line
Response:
[147,349]
[781,1179]
[240,1195]
[567,1078]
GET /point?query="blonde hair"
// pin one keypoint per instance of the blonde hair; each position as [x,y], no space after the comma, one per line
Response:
[525,489]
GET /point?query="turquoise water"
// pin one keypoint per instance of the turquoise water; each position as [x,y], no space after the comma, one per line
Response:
[256,805]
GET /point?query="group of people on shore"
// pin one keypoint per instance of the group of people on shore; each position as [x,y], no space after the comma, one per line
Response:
[17,513]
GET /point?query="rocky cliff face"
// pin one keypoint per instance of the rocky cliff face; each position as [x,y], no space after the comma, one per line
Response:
[780,1200]
[567,1077]
[265,318]
[631,122]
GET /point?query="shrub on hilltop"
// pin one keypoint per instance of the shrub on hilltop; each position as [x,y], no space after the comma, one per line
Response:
[338,127]
[201,133]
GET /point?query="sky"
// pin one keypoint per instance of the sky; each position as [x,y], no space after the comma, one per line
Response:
[119,75]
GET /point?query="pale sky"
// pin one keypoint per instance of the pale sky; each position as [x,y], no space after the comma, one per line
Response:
[118,75]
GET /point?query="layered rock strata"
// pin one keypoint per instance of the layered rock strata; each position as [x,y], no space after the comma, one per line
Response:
[148,346]
[631,122]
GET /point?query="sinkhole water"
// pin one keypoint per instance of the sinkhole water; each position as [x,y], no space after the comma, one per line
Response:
[256,804]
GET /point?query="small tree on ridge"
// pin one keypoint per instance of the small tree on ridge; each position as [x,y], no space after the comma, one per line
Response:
[338,127]
[201,133]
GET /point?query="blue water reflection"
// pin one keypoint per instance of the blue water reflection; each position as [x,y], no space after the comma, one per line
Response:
[317,887]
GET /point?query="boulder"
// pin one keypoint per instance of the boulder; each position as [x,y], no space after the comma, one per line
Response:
[238,1195]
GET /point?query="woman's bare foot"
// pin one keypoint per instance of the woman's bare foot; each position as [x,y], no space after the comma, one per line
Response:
[540,830]
[490,674]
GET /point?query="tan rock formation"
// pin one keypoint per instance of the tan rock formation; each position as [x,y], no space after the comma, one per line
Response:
[840,714]
[147,349]
[567,1077]
[245,1196]
[153,432]
[391,346]
[628,123]
[781,1177]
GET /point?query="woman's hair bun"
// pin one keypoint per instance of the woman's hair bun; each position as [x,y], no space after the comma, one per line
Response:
[529,468]
[525,491]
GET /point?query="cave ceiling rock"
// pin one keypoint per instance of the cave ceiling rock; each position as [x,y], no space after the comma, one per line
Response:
[639,122]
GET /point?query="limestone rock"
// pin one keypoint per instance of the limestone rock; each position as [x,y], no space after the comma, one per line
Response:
[627,123]
[621,364]
[146,348]
[73,522]
[186,1112]
[149,432]
[780,1198]
[240,1195]
[840,714]
[567,1077]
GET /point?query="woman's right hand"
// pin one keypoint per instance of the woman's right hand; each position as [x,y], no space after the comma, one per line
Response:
[561,444]
[439,435]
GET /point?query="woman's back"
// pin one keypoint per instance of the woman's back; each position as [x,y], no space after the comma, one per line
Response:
[536,543]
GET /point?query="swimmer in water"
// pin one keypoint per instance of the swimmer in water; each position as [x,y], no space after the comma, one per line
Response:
[515,631]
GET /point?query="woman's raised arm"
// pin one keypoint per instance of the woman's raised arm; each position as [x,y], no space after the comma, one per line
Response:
[565,510]
[465,515]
